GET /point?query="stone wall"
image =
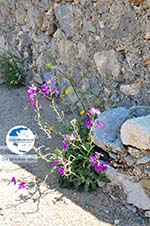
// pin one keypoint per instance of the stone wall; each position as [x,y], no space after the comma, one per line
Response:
[104,44]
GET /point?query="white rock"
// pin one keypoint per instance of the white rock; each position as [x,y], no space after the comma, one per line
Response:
[136,132]
[147,213]
[116,221]
[131,189]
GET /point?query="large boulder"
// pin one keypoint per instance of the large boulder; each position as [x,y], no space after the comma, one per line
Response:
[136,132]
[107,137]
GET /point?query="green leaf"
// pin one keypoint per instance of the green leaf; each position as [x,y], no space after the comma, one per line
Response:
[86,187]
[50,66]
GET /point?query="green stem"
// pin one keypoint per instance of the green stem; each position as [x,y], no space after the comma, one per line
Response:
[74,89]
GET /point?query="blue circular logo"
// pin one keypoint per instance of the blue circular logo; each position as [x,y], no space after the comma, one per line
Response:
[20,140]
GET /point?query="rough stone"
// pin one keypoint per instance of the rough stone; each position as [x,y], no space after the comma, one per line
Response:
[143,160]
[132,189]
[47,75]
[107,137]
[88,26]
[64,14]
[101,184]
[82,52]
[72,96]
[130,89]
[66,50]
[135,153]
[136,132]
[107,62]
[137,111]
[130,160]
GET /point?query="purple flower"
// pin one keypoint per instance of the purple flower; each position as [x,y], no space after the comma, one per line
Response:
[88,123]
[31,94]
[96,167]
[22,185]
[98,155]
[102,167]
[53,80]
[99,124]
[56,91]
[32,90]
[93,159]
[13,180]
[62,161]
[61,170]
[94,111]
[65,145]
[33,104]
[55,163]
[72,137]
[45,90]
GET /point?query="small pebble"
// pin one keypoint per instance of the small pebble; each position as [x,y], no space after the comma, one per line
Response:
[116,221]
[106,211]
[147,213]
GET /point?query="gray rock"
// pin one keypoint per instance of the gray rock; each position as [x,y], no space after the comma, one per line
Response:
[88,26]
[64,15]
[107,62]
[72,96]
[136,132]
[137,111]
[47,75]
[107,137]
[82,51]
[115,98]
[101,184]
[66,51]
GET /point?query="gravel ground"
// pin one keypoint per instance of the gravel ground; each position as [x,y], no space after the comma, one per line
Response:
[45,203]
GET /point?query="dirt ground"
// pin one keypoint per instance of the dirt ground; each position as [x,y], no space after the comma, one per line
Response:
[44,203]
